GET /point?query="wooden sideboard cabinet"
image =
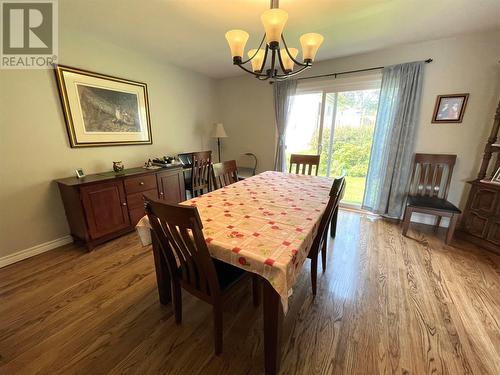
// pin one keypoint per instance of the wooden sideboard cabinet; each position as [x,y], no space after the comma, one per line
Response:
[103,206]
[481,217]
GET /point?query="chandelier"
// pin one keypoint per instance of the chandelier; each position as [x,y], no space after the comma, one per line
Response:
[282,60]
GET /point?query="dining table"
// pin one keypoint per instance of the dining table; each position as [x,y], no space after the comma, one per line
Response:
[264,224]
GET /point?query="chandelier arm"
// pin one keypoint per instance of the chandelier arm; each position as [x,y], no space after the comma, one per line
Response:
[257,50]
[284,76]
[263,78]
[264,60]
[290,55]
[253,73]
[281,62]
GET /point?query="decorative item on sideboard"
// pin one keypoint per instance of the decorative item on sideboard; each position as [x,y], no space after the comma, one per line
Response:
[118,166]
[80,173]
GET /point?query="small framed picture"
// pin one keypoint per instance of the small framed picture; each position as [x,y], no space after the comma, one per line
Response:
[449,108]
[79,173]
[496,176]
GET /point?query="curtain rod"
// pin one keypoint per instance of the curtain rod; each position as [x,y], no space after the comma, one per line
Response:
[351,71]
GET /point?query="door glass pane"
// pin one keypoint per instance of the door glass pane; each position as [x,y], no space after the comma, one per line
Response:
[303,127]
[327,134]
[353,133]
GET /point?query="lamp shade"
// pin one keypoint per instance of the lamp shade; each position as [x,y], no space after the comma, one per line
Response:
[274,21]
[219,131]
[237,39]
[257,60]
[310,44]
[287,61]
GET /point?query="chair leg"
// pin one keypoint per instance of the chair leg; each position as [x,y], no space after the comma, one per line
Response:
[314,273]
[256,290]
[451,228]
[407,219]
[333,223]
[438,222]
[323,253]
[177,302]
[218,328]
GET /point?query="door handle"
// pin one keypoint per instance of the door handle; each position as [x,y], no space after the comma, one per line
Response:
[124,203]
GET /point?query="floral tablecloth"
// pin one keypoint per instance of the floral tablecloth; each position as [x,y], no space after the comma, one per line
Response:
[264,224]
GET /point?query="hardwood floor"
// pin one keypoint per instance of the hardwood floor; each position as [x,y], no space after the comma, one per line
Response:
[387,304]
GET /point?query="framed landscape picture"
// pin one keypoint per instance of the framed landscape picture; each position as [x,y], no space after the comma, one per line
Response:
[449,108]
[102,110]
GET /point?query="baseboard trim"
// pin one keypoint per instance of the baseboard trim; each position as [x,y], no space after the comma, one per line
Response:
[35,250]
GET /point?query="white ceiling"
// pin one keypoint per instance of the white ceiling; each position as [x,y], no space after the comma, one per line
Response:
[190,33]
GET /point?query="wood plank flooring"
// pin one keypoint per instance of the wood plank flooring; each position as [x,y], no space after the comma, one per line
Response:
[386,305]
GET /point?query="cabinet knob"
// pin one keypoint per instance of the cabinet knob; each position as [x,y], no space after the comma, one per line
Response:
[161,192]
[124,203]
[141,183]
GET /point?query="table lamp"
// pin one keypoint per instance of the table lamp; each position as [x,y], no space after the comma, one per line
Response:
[219,133]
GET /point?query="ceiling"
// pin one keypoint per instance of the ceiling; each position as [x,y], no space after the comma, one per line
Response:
[190,33]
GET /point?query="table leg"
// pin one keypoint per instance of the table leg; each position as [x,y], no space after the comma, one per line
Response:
[273,321]
[162,273]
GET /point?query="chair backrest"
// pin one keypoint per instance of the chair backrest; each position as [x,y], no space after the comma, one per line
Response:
[224,174]
[336,194]
[431,175]
[303,161]
[200,173]
[178,231]
[248,160]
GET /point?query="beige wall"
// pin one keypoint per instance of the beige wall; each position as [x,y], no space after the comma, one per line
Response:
[34,148]
[461,64]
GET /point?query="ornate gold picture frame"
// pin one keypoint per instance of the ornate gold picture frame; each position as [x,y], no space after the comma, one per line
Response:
[102,110]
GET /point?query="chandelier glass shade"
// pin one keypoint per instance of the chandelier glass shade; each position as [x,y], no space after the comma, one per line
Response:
[281,60]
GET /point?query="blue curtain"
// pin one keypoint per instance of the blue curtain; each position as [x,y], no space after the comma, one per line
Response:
[283,92]
[394,138]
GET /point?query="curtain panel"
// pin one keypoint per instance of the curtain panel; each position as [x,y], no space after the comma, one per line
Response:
[394,139]
[283,92]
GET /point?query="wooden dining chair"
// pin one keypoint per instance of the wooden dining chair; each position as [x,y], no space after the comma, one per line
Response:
[321,240]
[200,173]
[333,222]
[224,174]
[428,193]
[303,162]
[178,231]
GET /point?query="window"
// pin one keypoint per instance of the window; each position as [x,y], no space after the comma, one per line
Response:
[336,119]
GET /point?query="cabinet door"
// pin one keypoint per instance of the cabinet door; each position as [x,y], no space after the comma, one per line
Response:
[105,208]
[494,231]
[171,186]
[475,224]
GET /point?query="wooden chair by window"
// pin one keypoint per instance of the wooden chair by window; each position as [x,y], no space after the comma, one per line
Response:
[429,186]
[333,223]
[303,162]
[321,239]
[178,232]
[247,165]
[224,174]
[200,173]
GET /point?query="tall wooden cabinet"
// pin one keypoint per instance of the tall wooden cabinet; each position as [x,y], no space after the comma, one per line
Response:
[103,206]
[481,218]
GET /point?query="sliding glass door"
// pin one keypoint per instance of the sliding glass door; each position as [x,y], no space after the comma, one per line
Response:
[338,125]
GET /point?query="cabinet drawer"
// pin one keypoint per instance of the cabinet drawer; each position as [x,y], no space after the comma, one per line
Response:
[136,214]
[136,200]
[140,183]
